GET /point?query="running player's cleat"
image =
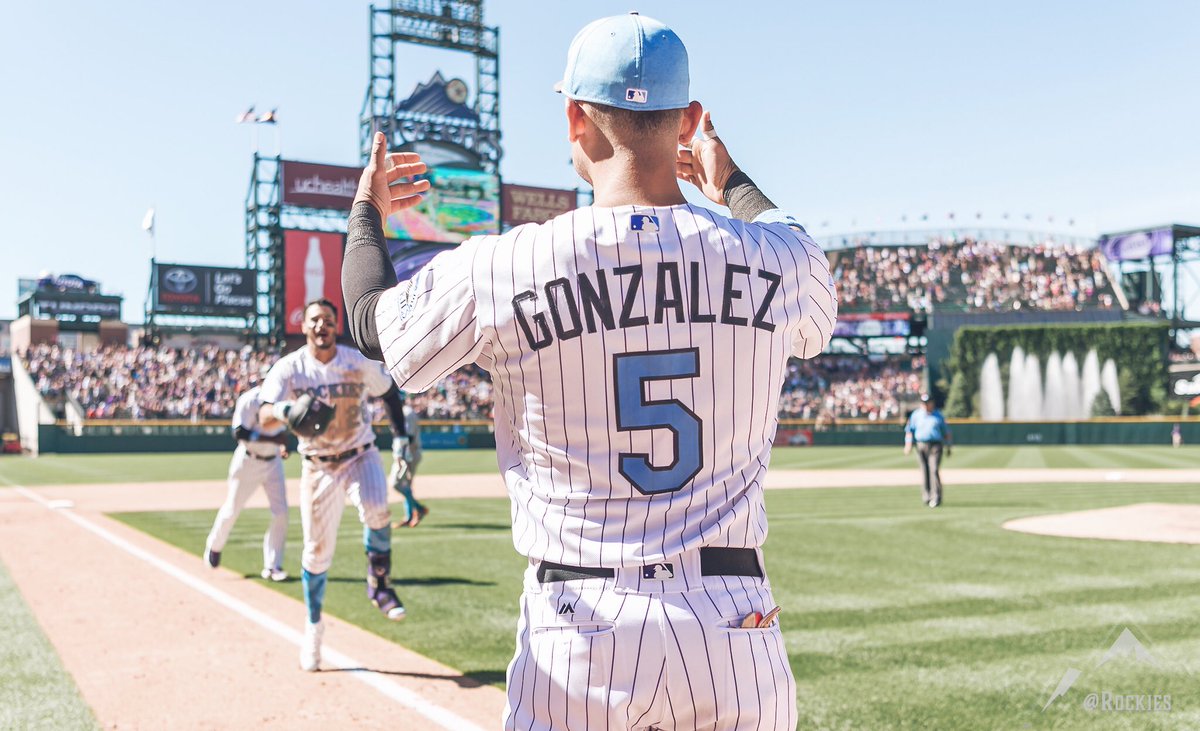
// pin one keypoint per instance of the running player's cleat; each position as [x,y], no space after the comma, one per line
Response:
[275,574]
[310,649]
[418,515]
[212,558]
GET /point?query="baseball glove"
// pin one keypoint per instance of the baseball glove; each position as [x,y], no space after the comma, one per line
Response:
[308,417]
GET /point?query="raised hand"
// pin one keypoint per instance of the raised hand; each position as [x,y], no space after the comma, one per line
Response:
[381,185]
[706,164]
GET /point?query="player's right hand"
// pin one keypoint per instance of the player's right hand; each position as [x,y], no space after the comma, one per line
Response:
[401,455]
[706,164]
[380,182]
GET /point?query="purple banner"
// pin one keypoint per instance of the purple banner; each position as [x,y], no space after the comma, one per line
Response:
[1140,245]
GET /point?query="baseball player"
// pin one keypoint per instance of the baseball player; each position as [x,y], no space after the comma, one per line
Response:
[406,457]
[256,462]
[637,349]
[320,392]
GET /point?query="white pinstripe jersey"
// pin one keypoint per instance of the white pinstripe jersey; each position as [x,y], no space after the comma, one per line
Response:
[245,415]
[637,356]
[346,382]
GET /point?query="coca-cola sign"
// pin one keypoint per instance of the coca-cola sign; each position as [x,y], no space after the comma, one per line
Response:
[313,185]
[312,263]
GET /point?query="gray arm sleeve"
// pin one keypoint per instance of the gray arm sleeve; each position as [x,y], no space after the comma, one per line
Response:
[746,201]
[366,274]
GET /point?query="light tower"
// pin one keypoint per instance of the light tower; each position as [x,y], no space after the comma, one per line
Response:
[455,25]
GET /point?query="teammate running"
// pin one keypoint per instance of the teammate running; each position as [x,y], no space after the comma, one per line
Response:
[256,461]
[340,459]
[406,457]
[637,349]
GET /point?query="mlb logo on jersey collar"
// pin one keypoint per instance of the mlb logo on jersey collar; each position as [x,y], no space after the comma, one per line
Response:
[643,222]
[659,571]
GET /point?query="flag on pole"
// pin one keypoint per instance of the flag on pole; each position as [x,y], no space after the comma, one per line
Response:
[246,116]
[148,222]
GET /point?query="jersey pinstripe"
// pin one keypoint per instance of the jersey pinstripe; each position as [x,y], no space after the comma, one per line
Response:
[345,382]
[637,357]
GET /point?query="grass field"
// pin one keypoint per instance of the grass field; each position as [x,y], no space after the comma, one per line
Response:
[896,616]
[54,469]
[35,690]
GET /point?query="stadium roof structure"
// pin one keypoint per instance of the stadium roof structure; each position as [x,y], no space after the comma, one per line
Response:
[1178,230]
[922,236]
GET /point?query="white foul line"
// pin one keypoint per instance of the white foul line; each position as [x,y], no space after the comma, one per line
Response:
[389,688]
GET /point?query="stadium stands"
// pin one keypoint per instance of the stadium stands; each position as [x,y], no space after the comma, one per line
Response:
[972,276]
[145,383]
[852,387]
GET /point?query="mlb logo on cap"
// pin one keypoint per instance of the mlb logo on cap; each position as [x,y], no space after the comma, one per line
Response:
[637,96]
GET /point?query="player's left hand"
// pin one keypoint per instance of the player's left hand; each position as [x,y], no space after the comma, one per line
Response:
[284,453]
[380,182]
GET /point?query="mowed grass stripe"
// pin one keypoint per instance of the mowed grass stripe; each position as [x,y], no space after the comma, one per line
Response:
[35,690]
[56,469]
[895,615]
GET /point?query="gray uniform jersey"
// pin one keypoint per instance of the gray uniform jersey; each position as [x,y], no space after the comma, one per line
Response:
[637,356]
[245,415]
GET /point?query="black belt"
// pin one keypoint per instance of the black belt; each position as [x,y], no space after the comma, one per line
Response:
[258,456]
[713,562]
[339,457]
[929,441]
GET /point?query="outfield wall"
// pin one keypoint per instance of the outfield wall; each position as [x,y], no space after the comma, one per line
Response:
[967,432]
[181,436]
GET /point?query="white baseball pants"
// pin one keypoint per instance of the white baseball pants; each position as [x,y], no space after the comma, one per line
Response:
[635,653]
[246,474]
[323,492]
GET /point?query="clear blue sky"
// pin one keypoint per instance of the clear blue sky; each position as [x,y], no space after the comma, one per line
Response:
[862,111]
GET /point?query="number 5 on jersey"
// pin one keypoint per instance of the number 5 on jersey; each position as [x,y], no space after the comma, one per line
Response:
[635,412]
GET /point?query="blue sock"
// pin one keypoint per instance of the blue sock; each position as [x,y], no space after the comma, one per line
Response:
[314,593]
[377,540]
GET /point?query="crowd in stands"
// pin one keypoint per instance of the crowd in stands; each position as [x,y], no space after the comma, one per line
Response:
[204,383]
[972,275]
[144,382]
[465,394]
[831,387]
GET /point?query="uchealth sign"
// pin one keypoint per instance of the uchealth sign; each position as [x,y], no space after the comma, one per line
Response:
[527,204]
[313,185]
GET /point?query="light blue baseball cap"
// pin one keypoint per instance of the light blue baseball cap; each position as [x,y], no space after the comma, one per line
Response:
[627,61]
